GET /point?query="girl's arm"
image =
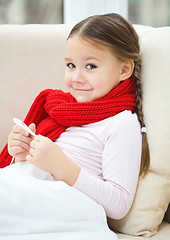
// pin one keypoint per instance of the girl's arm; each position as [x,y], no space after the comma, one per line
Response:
[120,170]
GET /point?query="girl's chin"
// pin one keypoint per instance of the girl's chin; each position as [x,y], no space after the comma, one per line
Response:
[82,99]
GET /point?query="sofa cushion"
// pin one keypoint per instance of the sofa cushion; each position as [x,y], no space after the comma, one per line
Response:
[163,234]
[153,191]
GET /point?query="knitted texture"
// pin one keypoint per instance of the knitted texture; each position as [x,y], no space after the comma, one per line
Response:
[54,110]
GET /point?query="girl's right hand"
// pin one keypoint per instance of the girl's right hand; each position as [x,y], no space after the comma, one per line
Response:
[19,142]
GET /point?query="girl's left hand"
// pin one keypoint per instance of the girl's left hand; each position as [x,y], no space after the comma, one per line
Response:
[48,156]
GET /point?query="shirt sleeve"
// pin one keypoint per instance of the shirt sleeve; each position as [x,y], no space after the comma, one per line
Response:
[120,168]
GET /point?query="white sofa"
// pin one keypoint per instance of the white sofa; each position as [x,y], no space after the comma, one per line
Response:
[32,59]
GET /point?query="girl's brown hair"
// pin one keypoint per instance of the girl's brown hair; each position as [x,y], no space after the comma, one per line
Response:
[115,32]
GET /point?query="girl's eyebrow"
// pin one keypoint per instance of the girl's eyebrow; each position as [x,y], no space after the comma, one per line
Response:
[86,58]
[91,57]
[67,59]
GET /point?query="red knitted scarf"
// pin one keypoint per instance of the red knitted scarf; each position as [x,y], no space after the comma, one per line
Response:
[53,111]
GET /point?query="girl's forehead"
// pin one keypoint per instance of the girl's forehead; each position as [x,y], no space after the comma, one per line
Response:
[77,40]
[80,49]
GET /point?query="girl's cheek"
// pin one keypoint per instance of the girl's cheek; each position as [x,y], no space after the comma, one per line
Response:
[67,80]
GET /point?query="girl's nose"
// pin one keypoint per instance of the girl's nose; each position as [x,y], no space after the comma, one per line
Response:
[78,77]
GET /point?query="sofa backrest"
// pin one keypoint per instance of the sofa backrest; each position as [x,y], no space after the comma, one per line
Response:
[31,59]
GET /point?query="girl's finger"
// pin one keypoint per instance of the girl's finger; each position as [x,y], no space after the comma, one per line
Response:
[20,144]
[29,158]
[19,130]
[39,138]
[32,152]
[16,150]
[34,143]
[20,137]
[32,126]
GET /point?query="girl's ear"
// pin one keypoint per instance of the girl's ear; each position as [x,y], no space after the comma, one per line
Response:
[127,70]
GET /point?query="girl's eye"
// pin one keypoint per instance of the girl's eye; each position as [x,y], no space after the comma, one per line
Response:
[71,65]
[91,66]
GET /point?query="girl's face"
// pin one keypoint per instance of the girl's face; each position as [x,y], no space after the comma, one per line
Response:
[91,72]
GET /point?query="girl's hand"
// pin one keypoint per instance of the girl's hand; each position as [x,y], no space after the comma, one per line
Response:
[48,156]
[19,142]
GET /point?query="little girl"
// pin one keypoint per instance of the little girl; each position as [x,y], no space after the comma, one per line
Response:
[93,137]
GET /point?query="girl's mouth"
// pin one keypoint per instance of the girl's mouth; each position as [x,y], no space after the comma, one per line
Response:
[81,90]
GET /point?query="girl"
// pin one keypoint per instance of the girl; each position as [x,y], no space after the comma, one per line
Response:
[90,137]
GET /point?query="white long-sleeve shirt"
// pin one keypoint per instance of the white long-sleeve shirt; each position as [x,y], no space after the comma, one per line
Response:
[108,153]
